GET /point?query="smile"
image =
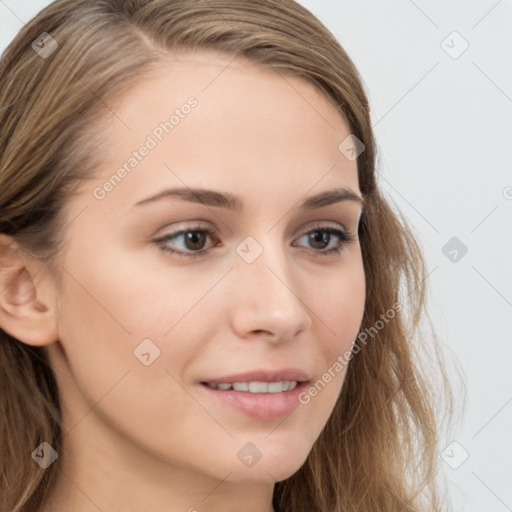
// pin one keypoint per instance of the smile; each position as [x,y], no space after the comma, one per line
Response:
[254,386]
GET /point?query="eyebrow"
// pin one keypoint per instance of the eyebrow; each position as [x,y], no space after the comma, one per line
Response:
[231,202]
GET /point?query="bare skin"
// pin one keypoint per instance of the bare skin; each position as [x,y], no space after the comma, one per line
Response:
[152,437]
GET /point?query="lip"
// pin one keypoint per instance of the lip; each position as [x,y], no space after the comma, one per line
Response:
[263,376]
[262,406]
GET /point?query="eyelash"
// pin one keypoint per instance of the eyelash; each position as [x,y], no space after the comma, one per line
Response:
[345,238]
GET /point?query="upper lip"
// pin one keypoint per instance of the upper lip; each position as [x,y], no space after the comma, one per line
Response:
[289,374]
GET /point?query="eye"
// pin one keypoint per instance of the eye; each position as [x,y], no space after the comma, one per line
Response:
[321,236]
[194,238]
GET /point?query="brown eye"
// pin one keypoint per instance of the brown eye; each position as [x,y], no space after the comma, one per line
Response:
[192,241]
[320,238]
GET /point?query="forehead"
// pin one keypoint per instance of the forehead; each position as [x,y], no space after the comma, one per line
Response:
[248,125]
[245,92]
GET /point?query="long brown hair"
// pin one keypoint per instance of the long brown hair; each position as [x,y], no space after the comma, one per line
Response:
[379,449]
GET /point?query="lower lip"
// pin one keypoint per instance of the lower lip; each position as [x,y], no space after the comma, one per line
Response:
[265,406]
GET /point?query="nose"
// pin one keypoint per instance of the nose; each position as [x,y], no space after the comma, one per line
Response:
[267,301]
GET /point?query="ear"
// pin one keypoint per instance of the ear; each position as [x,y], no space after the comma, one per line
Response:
[27,308]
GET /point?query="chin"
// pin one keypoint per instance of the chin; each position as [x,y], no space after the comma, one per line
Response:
[263,473]
[277,462]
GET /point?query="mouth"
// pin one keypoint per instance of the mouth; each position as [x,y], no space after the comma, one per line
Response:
[254,386]
[259,395]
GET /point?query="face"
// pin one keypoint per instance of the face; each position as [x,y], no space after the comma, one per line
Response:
[256,291]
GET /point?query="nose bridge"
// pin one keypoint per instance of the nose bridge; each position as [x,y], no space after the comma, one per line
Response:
[267,291]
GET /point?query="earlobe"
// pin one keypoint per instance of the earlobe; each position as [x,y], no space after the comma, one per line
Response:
[26,310]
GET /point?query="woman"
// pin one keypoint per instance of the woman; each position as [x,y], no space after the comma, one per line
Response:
[202,287]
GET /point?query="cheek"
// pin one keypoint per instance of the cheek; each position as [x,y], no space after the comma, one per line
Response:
[339,309]
[103,320]
[109,307]
[338,313]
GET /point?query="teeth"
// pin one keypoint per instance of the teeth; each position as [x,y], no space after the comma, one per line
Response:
[256,387]
[276,387]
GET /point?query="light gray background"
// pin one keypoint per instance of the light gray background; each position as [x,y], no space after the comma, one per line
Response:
[444,130]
